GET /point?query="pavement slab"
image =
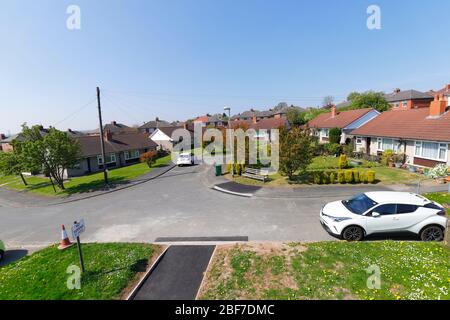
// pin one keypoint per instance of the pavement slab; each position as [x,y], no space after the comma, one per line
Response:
[178,275]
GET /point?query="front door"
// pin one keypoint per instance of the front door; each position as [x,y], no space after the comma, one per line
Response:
[368,141]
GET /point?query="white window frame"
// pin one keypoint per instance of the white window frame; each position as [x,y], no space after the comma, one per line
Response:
[418,146]
[395,143]
[360,141]
[111,156]
[326,133]
[405,104]
[128,157]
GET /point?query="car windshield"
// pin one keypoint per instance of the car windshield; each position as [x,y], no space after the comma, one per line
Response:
[359,204]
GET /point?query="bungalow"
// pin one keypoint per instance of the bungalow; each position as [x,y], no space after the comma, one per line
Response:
[122,149]
[347,121]
[422,134]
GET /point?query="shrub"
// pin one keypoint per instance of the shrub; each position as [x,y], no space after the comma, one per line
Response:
[343,162]
[335,136]
[341,177]
[356,177]
[348,176]
[370,176]
[317,177]
[325,177]
[149,157]
[333,148]
[387,157]
[362,177]
[332,177]
[439,171]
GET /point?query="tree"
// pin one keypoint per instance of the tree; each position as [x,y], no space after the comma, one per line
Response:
[295,117]
[369,99]
[296,150]
[328,102]
[53,153]
[149,157]
[11,165]
[335,135]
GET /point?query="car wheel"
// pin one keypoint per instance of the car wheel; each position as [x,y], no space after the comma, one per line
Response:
[432,233]
[353,233]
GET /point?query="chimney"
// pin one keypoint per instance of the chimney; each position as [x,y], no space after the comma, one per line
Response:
[114,123]
[108,135]
[397,90]
[333,111]
[157,119]
[438,106]
[254,119]
[447,87]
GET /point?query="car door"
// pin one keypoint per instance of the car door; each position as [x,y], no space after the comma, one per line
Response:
[408,215]
[387,220]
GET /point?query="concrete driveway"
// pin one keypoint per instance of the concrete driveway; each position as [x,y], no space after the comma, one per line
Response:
[177,204]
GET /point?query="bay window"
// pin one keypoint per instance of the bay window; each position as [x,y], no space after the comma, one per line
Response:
[431,150]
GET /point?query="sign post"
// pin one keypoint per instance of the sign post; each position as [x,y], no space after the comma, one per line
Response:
[77,229]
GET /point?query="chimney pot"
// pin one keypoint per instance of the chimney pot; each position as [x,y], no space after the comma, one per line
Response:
[108,135]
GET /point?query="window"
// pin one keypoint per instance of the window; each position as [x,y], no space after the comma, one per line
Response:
[326,132]
[405,104]
[132,154]
[359,204]
[406,208]
[110,158]
[359,141]
[386,209]
[431,150]
[396,105]
[384,144]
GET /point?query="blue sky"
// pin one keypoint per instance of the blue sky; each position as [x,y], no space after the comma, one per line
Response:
[177,59]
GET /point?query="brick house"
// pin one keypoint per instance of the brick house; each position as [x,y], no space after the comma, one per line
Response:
[122,149]
[409,99]
[262,127]
[422,134]
[347,121]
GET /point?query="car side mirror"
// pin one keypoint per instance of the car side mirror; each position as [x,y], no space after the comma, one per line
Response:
[376,214]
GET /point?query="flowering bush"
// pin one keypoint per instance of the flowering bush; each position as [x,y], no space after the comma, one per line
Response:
[439,171]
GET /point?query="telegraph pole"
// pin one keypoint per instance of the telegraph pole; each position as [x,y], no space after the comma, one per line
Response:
[102,137]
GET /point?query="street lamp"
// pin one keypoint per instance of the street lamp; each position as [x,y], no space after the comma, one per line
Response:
[229,127]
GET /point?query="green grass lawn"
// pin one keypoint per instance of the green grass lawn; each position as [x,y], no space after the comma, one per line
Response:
[110,268]
[83,184]
[329,270]
[383,175]
[440,197]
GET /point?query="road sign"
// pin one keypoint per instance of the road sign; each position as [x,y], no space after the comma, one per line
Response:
[78,228]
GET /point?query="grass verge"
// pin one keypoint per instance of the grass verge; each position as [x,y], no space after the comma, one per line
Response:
[383,175]
[110,269]
[328,270]
[83,184]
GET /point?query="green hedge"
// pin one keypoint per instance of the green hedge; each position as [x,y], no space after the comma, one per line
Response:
[344,177]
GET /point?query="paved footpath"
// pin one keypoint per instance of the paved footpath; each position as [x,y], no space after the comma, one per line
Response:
[178,275]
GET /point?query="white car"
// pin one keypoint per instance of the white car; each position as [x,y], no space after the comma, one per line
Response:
[384,212]
[184,159]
